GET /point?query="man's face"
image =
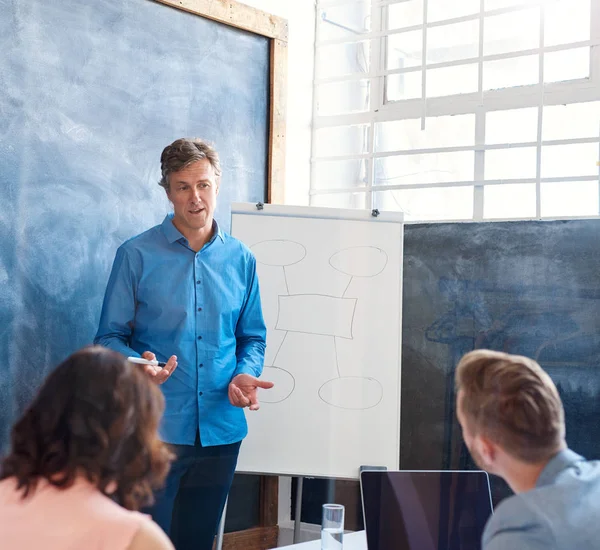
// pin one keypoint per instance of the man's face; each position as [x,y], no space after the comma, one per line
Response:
[193,192]
[472,441]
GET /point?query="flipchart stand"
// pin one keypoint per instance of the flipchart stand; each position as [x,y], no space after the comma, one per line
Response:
[221,530]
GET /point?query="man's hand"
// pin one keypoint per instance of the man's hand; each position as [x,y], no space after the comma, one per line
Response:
[243,391]
[156,373]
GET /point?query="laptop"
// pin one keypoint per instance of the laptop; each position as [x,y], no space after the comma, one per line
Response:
[425,510]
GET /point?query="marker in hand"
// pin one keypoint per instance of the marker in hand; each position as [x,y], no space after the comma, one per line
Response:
[158,371]
[141,361]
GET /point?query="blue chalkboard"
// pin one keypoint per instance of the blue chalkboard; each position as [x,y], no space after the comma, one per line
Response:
[529,288]
[90,93]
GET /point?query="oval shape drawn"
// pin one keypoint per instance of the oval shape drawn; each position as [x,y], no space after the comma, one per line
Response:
[359,261]
[278,252]
[352,392]
[283,388]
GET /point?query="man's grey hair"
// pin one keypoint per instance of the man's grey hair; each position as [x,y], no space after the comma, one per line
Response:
[183,152]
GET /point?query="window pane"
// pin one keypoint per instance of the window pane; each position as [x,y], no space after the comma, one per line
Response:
[446,131]
[342,140]
[511,32]
[509,201]
[344,21]
[577,120]
[405,50]
[340,200]
[404,86]
[438,10]
[342,59]
[452,80]
[453,42]
[507,73]
[567,65]
[512,126]
[566,21]
[569,160]
[340,174]
[343,97]
[503,164]
[573,198]
[405,14]
[437,203]
[426,168]
[497,4]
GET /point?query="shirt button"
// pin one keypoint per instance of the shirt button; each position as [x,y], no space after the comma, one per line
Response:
[201,365]
[198,281]
[199,309]
[199,393]
[199,337]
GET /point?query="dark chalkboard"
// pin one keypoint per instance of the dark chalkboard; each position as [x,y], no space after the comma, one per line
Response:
[530,288]
[90,93]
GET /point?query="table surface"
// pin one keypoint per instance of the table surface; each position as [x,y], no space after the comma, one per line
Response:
[352,541]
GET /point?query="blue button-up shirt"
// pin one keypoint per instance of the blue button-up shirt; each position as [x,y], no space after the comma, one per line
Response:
[204,307]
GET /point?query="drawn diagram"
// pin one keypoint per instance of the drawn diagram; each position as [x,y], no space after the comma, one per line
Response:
[323,315]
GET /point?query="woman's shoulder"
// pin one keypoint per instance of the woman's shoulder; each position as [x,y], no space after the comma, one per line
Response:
[137,529]
[150,537]
[92,517]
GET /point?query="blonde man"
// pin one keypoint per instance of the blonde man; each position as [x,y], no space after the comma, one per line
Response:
[513,424]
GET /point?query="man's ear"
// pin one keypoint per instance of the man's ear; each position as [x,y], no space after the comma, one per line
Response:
[218,182]
[168,189]
[487,451]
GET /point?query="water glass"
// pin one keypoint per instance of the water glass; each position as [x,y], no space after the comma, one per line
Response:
[332,527]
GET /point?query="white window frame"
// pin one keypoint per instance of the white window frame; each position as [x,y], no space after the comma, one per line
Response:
[478,103]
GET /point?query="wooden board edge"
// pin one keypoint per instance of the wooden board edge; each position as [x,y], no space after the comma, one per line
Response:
[257,538]
[269,500]
[277,133]
[236,14]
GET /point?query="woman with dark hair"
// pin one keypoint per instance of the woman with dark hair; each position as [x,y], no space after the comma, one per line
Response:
[87,444]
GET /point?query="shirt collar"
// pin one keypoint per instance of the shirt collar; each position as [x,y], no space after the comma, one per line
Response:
[559,462]
[173,234]
[218,231]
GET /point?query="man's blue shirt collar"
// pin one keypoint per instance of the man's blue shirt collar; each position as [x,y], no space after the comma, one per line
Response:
[173,234]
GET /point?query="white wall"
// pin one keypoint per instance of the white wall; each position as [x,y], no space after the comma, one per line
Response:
[301,18]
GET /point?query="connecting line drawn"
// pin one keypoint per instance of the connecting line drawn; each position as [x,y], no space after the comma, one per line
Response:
[279,253]
[354,392]
[323,315]
[283,379]
[337,363]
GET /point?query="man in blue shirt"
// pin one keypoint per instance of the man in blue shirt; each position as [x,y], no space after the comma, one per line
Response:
[186,293]
[513,423]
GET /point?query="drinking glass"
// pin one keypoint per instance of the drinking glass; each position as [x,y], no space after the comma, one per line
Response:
[332,527]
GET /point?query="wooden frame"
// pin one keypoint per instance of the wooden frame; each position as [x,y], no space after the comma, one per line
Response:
[235,14]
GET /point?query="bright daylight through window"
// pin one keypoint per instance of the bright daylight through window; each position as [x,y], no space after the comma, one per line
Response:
[457,110]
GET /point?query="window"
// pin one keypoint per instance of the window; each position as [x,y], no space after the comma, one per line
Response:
[458,110]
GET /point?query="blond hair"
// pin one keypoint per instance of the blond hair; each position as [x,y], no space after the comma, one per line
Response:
[511,400]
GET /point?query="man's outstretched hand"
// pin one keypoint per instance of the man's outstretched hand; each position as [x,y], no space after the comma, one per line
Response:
[243,391]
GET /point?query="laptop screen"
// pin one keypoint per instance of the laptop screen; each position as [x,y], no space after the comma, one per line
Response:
[425,510]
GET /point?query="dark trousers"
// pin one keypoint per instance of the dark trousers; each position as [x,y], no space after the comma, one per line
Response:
[190,505]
